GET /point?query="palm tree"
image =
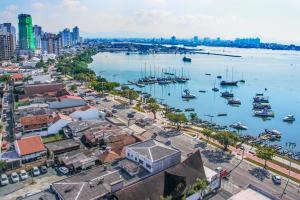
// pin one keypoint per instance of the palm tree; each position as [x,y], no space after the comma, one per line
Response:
[207,133]
[265,153]
[154,107]
[199,185]
[227,138]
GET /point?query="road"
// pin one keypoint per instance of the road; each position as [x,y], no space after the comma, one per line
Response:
[243,173]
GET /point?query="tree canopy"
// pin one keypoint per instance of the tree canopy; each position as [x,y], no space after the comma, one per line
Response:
[266,153]
[227,138]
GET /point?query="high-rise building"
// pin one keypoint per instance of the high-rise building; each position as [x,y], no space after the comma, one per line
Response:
[51,43]
[26,36]
[6,45]
[37,30]
[9,28]
[75,35]
[66,37]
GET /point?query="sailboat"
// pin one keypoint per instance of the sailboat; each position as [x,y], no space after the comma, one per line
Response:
[228,83]
[242,80]
[214,88]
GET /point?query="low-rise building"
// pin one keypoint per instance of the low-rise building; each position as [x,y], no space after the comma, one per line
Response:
[62,146]
[153,156]
[67,101]
[30,148]
[253,192]
[34,89]
[59,122]
[87,112]
[34,123]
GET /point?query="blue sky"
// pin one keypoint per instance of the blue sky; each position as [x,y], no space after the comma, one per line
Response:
[271,20]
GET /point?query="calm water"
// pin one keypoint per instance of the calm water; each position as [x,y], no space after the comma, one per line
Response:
[278,71]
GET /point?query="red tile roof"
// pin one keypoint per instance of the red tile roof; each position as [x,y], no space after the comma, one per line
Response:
[69,97]
[84,108]
[34,120]
[30,145]
[61,116]
[17,76]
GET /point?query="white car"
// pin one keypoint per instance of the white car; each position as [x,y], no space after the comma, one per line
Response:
[23,175]
[63,170]
[35,171]
[4,180]
[14,177]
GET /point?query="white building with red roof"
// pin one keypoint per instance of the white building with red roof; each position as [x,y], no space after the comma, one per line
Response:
[30,148]
[87,112]
[59,122]
[67,101]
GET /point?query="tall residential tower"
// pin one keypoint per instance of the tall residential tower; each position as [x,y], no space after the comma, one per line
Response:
[26,36]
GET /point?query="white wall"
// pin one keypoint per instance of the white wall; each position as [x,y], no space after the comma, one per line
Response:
[67,103]
[57,126]
[90,114]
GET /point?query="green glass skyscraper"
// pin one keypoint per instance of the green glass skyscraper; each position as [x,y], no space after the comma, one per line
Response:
[26,36]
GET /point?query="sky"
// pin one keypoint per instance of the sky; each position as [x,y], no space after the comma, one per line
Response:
[271,20]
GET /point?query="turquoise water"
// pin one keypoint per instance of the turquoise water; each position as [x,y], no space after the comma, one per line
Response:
[278,71]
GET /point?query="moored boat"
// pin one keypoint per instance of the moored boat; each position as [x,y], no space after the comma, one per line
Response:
[289,118]
[238,126]
[227,94]
[187,95]
[234,102]
[186,59]
[264,113]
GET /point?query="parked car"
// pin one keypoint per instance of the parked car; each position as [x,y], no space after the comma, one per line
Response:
[114,111]
[43,169]
[4,180]
[14,177]
[276,179]
[63,170]
[23,175]
[35,171]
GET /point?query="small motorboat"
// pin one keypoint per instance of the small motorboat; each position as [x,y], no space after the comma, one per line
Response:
[202,91]
[189,109]
[207,74]
[178,110]
[242,81]
[234,102]
[222,114]
[273,132]
[228,83]
[238,126]
[264,113]
[215,89]
[260,106]
[289,118]
[219,77]
[227,94]
[259,94]
[260,99]
[187,95]
[186,59]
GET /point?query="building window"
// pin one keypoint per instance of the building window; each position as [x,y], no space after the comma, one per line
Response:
[128,154]
[140,161]
[135,158]
[148,166]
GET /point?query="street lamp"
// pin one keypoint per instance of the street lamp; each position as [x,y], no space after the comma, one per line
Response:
[290,146]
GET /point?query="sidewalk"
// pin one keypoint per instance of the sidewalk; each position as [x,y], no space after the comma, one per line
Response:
[255,158]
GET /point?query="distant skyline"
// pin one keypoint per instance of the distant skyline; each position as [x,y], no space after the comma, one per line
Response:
[270,20]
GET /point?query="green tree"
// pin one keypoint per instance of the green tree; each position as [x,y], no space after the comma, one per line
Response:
[193,116]
[227,138]
[154,107]
[27,78]
[169,197]
[207,133]
[265,153]
[2,165]
[73,87]
[199,185]
[177,119]
[40,64]
[5,78]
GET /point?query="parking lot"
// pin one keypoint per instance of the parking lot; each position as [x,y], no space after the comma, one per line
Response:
[30,185]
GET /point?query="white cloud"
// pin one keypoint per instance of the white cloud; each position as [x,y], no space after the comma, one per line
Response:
[9,13]
[74,5]
[38,5]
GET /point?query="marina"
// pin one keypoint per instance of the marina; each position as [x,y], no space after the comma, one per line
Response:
[282,81]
